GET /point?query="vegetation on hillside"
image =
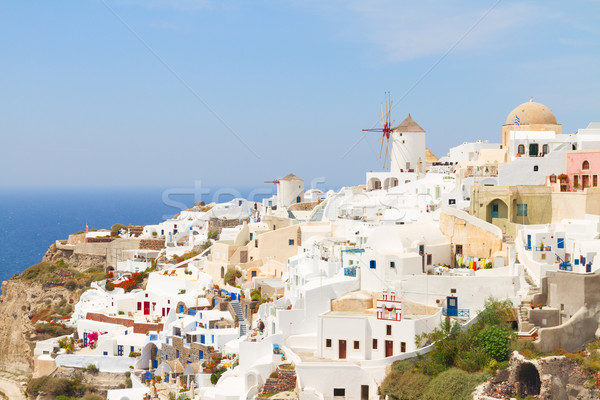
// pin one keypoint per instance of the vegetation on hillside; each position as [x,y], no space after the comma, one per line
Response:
[459,359]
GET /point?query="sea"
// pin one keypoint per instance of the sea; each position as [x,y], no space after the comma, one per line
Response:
[31,219]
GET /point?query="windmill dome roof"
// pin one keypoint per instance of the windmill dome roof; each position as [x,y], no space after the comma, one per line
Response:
[530,113]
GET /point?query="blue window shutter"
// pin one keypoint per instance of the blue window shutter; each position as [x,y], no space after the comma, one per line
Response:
[372,264]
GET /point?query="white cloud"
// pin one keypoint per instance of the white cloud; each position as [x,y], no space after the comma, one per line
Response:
[411,30]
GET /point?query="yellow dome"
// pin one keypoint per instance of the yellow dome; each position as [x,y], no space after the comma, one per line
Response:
[531,113]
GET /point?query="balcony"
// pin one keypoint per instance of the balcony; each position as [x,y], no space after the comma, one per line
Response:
[565,266]
[457,312]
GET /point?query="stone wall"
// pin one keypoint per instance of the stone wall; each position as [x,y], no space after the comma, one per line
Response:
[285,381]
[138,327]
[187,352]
[217,224]
[152,244]
[556,377]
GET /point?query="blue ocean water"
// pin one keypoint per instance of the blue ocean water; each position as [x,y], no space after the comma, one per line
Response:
[32,219]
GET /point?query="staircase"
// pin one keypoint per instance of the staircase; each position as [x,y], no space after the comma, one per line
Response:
[526,329]
[237,307]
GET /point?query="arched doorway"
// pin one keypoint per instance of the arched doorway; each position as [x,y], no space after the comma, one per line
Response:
[496,209]
[374,184]
[529,380]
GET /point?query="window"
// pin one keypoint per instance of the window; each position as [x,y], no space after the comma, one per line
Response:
[201,354]
[328,343]
[585,165]
[202,339]
[453,291]
[176,353]
[139,305]
[253,273]
[403,347]
[222,272]
[429,259]
[545,149]
[251,236]
[534,149]
[105,353]
[131,349]
[552,178]
[341,392]
[535,168]
[356,345]
[291,242]
[166,357]
[459,249]
[560,243]
[451,201]
[595,180]
[392,264]
[256,243]
[119,350]
[388,330]
[521,210]
[521,149]
[421,249]
[372,264]
[374,344]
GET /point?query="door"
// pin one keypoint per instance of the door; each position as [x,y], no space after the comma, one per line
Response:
[422,254]
[585,181]
[494,210]
[146,308]
[364,392]
[389,348]
[342,349]
[452,303]
[528,242]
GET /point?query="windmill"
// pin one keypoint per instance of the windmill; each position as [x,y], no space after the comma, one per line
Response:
[386,129]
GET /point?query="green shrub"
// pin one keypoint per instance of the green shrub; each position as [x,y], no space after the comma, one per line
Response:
[404,385]
[71,285]
[495,341]
[57,386]
[37,270]
[453,384]
[116,228]
[403,366]
[92,369]
[231,275]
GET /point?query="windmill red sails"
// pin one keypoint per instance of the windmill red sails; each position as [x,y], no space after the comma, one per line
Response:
[386,129]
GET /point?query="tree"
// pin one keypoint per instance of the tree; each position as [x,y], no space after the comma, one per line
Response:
[404,385]
[453,384]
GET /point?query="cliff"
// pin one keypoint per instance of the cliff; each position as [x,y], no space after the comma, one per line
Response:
[44,292]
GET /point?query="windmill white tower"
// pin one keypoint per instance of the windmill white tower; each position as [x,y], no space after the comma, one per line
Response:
[408,147]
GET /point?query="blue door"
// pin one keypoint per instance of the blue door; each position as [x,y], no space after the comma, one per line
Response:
[154,364]
[452,303]
[528,242]
[494,210]
[588,267]
[232,296]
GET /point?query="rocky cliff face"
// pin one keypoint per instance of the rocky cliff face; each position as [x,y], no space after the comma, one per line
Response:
[24,302]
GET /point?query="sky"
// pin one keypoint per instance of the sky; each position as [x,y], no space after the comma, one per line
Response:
[169,93]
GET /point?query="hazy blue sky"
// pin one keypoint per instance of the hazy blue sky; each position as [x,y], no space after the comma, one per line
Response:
[85,102]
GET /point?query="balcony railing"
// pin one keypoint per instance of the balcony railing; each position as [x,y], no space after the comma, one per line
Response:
[456,312]
[565,266]
[350,272]
[544,248]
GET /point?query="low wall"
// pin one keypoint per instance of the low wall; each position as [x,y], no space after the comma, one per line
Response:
[104,363]
[138,327]
[573,334]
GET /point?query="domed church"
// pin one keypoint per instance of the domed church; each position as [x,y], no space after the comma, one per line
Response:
[529,116]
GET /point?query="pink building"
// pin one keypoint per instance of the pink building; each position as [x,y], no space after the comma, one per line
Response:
[583,169]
